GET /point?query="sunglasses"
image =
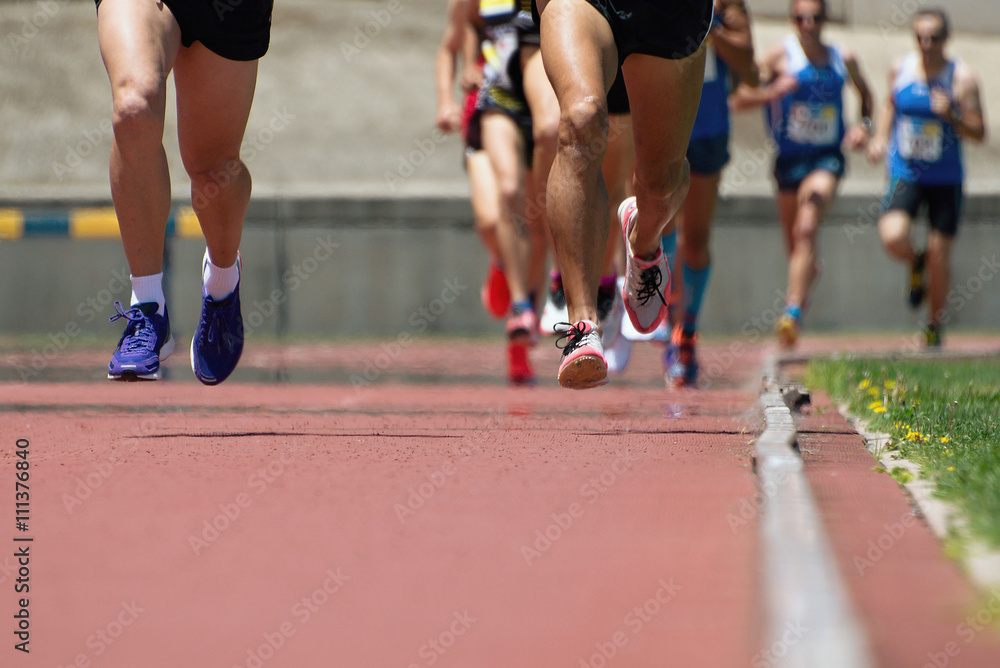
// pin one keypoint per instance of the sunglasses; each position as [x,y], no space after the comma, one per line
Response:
[813,18]
[933,39]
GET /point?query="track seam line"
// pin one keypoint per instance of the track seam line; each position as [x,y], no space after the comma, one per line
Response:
[809,621]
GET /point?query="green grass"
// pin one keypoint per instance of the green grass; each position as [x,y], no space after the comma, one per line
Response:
[941,414]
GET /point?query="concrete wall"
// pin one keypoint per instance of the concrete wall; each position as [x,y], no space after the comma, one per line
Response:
[355,267]
[970,15]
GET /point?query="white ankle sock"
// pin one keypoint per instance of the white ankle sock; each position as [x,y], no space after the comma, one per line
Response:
[220,282]
[147,289]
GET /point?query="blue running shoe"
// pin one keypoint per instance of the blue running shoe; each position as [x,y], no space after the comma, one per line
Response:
[145,342]
[218,341]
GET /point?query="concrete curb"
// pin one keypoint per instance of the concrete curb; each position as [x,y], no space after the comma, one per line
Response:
[439,207]
[809,622]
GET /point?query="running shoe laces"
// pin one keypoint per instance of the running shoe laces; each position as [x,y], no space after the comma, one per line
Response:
[650,285]
[575,335]
[214,328]
[140,335]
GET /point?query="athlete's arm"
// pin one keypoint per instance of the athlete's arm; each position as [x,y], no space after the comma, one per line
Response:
[472,73]
[857,136]
[883,125]
[967,116]
[778,83]
[449,114]
[733,40]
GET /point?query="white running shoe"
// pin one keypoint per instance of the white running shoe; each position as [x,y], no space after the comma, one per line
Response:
[618,355]
[610,313]
[661,333]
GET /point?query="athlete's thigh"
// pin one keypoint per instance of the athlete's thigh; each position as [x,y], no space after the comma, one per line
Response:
[663,97]
[504,144]
[214,96]
[139,41]
[578,51]
[617,166]
[538,90]
[818,189]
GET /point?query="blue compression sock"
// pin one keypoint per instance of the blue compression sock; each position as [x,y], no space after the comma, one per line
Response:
[695,282]
[668,242]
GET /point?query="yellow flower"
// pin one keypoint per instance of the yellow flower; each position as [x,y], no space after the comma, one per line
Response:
[889,384]
[945,439]
[875,405]
[879,409]
[873,391]
[951,468]
[863,384]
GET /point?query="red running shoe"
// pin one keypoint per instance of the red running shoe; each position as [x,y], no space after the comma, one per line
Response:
[495,293]
[519,371]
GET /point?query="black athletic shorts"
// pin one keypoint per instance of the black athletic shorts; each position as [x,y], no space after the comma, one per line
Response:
[671,29]
[944,203]
[233,29]
[492,99]
[791,170]
[708,155]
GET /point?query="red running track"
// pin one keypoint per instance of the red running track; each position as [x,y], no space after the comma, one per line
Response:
[433,517]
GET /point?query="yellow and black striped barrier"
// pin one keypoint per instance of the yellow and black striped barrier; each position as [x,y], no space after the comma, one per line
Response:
[85,223]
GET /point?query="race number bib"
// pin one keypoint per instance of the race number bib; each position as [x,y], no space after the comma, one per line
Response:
[493,8]
[920,138]
[813,124]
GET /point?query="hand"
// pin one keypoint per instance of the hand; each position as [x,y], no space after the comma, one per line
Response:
[856,138]
[449,117]
[471,79]
[941,105]
[876,151]
[783,84]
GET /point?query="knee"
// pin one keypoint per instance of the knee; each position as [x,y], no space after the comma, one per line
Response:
[221,170]
[487,222]
[695,250]
[138,113]
[583,128]
[211,178]
[545,133]
[895,238]
[511,191]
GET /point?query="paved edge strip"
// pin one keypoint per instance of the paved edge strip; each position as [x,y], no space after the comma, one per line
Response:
[809,622]
[981,563]
[84,223]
